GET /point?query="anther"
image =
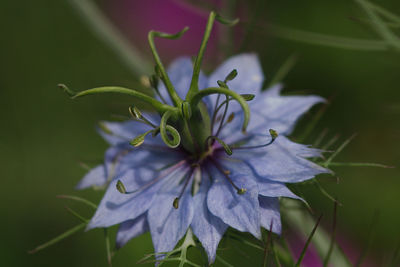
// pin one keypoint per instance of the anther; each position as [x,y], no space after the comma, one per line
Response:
[120,187]
[135,112]
[226,147]
[104,128]
[145,81]
[227,172]
[222,84]
[176,203]
[230,117]
[248,97]
[232,75]
[239,191]
[273,134]
[138,140]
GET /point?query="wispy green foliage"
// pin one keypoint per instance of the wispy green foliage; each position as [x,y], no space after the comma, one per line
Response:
[109,34]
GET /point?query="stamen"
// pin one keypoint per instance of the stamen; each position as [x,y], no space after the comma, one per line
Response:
[137,114]
[232,75]
[230,117]
[145,81]
[218,90]
[223,117]
[227,149]
[122,189]
[175,204]
[239,191]
[273,134]
[223,84]
[215,112]
[138,140]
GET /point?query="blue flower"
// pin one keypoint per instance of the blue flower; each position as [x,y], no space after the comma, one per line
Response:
[168,190]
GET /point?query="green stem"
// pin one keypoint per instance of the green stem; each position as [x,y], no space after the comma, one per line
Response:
[195,99]
[160,107]
[168,84]
[194,84]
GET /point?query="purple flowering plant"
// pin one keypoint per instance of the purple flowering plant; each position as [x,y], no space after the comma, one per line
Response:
[214,154]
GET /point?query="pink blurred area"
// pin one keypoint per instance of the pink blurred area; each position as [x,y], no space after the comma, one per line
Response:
[135,18]
[311,258]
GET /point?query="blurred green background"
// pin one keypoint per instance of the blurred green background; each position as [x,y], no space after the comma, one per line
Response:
[44,134]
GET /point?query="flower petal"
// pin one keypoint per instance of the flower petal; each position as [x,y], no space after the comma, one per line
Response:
[208,228]
[116,207]
[266,187]
[249,78]
[167,224]
[269,110]
[238,211]
[122,157]
[95,177]
[130,229]
[282,161]
[269,214]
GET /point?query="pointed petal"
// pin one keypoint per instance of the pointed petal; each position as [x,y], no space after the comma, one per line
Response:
[238,211]
[271,111]
[208,228]
[115,207]
[266,187]
[95,177]
[275,189]
[283,161]
[180,73]
[269,214]
[131,229]
[167,224]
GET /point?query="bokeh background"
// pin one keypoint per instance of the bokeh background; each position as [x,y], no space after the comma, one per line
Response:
[44,134]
